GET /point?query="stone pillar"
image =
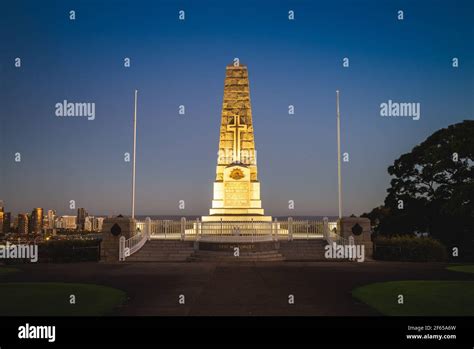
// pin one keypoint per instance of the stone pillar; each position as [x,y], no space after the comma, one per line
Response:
[148,227]
[359,230]
[290,228]
[183,228]
[112,230]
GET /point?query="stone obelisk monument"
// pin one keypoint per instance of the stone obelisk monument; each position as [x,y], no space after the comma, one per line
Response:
[236,187]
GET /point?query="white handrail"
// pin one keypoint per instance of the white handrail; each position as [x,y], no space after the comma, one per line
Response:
[185,229]
[134,243]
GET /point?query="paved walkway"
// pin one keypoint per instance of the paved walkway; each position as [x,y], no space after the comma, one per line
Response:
[319,288]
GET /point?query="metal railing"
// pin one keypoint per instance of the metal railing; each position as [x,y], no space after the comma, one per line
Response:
[234,231]
[333,237]
[184,229]
[229,231]
[129,246]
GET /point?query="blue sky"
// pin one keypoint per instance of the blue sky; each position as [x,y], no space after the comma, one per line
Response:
[174,62]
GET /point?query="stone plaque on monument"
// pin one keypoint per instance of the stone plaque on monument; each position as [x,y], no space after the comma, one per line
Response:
[237,187]
[236,194]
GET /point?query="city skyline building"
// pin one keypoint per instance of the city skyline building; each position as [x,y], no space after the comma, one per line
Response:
[50,219]
[81,218]
[36,220]
[6,222]
[1,217]
[23,224]
[66,222]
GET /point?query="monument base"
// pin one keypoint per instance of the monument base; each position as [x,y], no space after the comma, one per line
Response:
[257,246]
[236,218]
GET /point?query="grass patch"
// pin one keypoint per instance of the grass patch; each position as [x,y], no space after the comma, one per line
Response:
[462,268]
[7,270]
[52,299]
[421,298]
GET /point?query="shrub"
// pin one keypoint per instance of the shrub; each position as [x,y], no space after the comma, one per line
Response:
[409,248]
[64,251]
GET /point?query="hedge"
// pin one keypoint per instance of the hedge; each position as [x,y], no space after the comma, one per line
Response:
[409,248]
[64,251]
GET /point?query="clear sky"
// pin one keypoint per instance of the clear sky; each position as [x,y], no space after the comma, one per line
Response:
[183,63]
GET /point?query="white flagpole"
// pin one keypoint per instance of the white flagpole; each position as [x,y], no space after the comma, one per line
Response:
[134,154]
[339,179]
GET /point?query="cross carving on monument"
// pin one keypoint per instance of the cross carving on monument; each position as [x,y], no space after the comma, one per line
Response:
[237,128]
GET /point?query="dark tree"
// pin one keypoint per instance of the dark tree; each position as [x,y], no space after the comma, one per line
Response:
[434,184]
[377,215]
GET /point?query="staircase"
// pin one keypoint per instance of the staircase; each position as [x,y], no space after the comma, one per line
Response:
[163,251]
[303,250]
[183,251]
[224,256]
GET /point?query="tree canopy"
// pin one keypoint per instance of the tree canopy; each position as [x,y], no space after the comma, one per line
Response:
[432,189]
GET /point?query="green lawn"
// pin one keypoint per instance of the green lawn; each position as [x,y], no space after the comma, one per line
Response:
[421,298]
[462,268]
[52,299]
[7,270]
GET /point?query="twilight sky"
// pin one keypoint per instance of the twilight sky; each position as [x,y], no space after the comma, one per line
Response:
[174,62]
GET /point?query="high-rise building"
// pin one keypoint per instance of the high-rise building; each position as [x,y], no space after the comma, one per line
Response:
[81,218]
[66,222]
[93,223]
[37,220]
[98,222]
[2,213]
[88,223]
[50,218]
[23,224]
[7,221]
[15,223]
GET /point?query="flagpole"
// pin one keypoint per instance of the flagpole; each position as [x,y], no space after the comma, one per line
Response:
[339,179]
[134,154]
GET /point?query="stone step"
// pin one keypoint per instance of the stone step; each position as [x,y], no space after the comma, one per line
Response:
[297,248]
[241,258]
[151,250]
[319,248]
[303,250]
[164,256]
[167,243]
[157,258]
[168,247]
[231,253]
[181,251]
[306,243]
[169,255]
[163,251]
[228,256]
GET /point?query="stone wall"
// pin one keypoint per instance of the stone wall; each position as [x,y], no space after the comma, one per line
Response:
[359,229]
[112,230]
